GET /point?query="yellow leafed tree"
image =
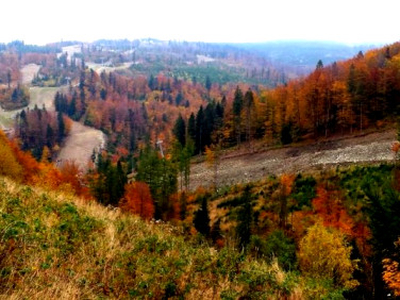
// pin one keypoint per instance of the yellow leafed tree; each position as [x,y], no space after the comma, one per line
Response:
[325,255]
[9,165]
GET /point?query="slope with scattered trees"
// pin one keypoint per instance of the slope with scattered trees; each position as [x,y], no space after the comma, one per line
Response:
[328,234]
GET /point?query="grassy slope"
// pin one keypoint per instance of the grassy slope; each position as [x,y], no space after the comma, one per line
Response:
[57,246]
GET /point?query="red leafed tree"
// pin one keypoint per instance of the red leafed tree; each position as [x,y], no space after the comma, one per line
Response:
[328,205]
[137,200]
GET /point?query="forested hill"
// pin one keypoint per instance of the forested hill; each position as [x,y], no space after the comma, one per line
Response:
[267,63]
[331,234]
[302,55]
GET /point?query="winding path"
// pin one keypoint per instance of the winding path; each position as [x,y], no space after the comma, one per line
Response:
[81,141]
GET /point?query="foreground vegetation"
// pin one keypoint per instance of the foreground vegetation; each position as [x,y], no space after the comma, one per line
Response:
[56,246]
[324,235]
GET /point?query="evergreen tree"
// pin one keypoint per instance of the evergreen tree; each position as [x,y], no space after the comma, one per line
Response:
[201,218]
[320,65]
[223,102]
[49,136]
[216,232]
[209,123]
[108,187]
[238,102]
[152,82]
[168,186]
[103,94]
[72,107]
[208,83]
[180,130]
[192,127]
[200,130]
[384,219]
[61,128]
[244,218]
[181,157]
[187,153]
[161,176]
[249,106]
[179,99]
[219,115]
[286,133]
[237,110]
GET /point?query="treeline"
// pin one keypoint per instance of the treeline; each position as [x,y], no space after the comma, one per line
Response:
[14,98]
[131,111]
[56,70]
[342,98]
[40,131]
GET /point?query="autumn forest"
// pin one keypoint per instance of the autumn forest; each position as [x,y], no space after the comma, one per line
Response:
[163,108]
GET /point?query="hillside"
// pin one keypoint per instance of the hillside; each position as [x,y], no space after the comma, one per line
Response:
[54,245]
[57,245]
[307,175]
[244,166]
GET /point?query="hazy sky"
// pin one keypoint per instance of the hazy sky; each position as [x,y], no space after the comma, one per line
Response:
[349,21]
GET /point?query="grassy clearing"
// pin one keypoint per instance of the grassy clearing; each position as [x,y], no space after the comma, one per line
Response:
[43,96]
[57,246]
[5,121]
[38,96]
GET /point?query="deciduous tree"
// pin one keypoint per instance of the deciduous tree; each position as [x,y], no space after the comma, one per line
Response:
[325,256]
[137,200]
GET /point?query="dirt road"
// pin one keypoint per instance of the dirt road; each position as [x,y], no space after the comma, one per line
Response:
[81,141]
[249,167]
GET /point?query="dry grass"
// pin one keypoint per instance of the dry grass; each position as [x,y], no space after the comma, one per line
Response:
[54,245]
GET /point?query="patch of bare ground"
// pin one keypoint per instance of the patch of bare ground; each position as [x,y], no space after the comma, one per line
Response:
[100,68]
[43,96]
[79,145]
[243,167]
[28,72]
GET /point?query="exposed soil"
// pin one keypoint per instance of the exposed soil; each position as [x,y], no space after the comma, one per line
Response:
[28,73]
[247,167]
[79,145]
[99,68]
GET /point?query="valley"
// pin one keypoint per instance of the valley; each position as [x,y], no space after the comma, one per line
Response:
[307,193]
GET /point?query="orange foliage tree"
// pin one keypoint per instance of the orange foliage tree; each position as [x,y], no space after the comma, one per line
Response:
[328,205]
[137,200]
[391,275]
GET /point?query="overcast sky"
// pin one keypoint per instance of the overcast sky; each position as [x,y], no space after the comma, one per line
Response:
[349,21]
